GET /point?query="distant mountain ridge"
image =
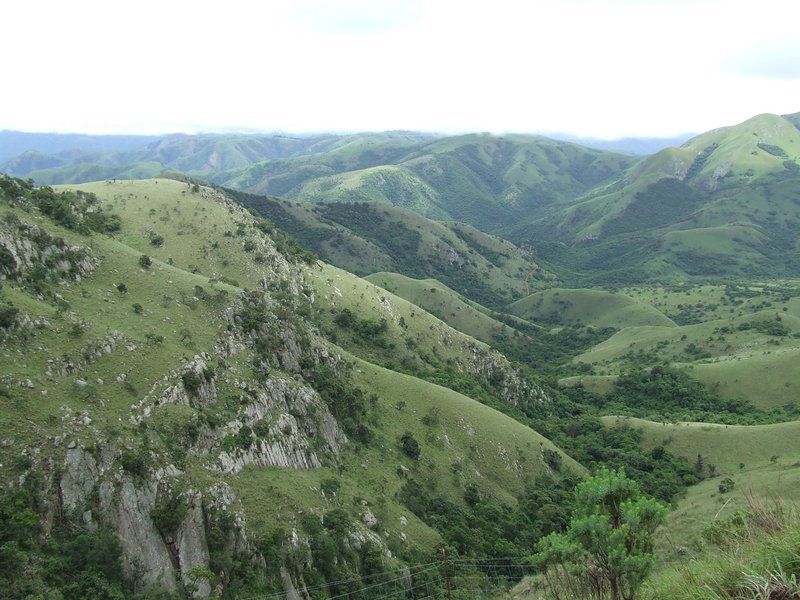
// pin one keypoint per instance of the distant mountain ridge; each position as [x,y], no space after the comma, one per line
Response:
[726,203]
[722,204]
[14,143]
[485,180]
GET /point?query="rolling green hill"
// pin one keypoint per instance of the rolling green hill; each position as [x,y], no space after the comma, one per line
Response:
[368,238]
[724,204]
[725,446]
[597,308]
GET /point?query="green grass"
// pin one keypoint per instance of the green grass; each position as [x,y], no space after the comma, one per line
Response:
[597,308]
[444,303]
[463,441]
[726,446]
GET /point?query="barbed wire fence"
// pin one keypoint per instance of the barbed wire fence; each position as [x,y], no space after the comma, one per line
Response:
[446,579]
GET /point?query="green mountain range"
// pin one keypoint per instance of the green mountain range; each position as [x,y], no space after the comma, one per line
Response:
[380,365]
[724,204]
[479,179]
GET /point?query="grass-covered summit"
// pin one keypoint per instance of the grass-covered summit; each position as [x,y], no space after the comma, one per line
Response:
[722,205]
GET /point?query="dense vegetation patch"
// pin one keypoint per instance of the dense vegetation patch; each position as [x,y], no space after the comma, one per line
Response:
[481,527]
[72,562]
[667,394]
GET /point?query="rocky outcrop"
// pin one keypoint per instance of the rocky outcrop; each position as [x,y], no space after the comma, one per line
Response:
[192,546]
[23,247]
[79,479]
[127,507]
[290,423]
[93,486]
[508,382]
[89,353]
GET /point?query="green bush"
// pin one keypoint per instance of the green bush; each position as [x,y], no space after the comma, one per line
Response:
[726,485]
[8,316]
[409,445]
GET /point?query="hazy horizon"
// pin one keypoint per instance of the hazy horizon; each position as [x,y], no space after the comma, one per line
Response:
[560,135]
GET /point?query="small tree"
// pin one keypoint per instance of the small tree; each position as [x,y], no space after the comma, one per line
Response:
[699,466]
[607,550]
[145,261]
[409,445]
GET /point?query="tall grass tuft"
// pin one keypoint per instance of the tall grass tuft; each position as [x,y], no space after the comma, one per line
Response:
[752,555]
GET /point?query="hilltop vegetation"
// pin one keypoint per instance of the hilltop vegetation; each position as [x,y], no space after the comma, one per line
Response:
[724,204]
[368,238]
[597,308]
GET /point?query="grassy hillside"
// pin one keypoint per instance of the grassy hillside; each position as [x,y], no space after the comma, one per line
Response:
[367,238]
[597,308]
[748,357]
[723,204]
[160,355]
[444,303]
[726,446]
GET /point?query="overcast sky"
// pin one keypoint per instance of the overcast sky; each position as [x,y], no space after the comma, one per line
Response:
[586,67]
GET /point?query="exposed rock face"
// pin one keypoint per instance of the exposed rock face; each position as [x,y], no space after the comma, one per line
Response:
[192,546]
[125,505]
[24,246]
[79,479]
[292,421]
[202,391]
[127,508]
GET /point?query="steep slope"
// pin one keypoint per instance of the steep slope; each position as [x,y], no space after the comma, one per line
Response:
[163,385]
[444,303]
[597,308]
[725,203]
[367,238]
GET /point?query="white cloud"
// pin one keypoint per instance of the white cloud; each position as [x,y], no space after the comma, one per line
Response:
[589,67]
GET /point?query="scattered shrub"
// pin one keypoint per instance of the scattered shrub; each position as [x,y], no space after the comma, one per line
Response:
[409,445]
